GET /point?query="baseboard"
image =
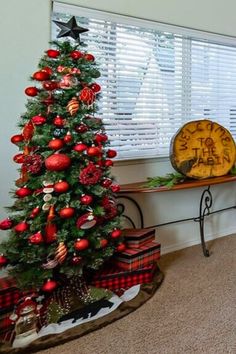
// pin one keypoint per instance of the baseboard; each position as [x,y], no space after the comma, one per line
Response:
[189,243]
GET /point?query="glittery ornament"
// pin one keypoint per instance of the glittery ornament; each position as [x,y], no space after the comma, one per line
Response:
[28,131]
[73,106]
[87,96]
[90,175]
[59,132]
[33,163]
[57,162]
[56,144]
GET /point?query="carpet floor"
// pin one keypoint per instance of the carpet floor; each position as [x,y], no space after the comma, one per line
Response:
[194,310]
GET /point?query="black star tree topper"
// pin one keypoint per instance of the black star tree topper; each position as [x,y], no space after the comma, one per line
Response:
[70,29]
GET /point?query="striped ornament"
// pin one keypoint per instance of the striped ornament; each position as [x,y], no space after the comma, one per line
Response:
[72,106]
[61,253]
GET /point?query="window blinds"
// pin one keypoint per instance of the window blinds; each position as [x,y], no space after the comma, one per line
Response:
[155,77]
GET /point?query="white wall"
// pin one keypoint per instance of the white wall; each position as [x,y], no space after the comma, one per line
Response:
[25,29]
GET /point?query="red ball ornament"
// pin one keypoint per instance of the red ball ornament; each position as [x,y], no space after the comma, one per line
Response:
[116,233]
[80,147]
[15,139]
[111,153]
[36,239]
[19,158]
[61,187]
[59,121]
[76,54]
[82,128]
[89,57]
[38,120]
[115,188]
[86,199]
[76,260]
[95,87]
[3,260]
[57,162]
[108,163]
[66,213]
[49,286]
[121,247]
[100,138]
[21,227]
[48,70]
[67,138]
[106,182]
[52,53]
[87,96]
[81,244]
[103,243]
[41,75]
[56,144]
[86,221]
[23,192]
[34,212]
[31,91]
[50,85]
[93,151]
[6,224]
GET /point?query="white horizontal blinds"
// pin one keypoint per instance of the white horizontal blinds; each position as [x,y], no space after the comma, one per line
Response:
[213,83]
[154,78]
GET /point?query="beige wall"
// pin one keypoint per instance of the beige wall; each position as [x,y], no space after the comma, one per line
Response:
[25,33]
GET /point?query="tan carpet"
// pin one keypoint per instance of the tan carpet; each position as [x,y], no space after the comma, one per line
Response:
[194,310]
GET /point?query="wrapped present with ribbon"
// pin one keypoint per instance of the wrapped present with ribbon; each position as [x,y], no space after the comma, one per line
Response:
[9,294]
[115,279]
[138,237]
[135,258]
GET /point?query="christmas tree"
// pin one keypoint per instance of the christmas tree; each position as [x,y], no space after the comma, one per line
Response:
[64,219]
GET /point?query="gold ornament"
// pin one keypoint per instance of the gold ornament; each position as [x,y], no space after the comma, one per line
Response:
[73,106]
[61,253]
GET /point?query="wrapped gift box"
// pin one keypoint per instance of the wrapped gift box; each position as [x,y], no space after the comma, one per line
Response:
[6,324]
[138,237]
[135,258]
[9,294]
[114,278]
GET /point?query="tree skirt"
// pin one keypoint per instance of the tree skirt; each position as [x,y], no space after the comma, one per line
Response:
[90,318]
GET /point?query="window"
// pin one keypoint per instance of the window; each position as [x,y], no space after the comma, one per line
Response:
[155,77]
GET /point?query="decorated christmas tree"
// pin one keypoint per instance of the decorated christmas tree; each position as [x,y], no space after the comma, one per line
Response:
[64,219]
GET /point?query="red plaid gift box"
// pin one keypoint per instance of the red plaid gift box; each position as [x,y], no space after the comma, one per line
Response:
[6,324]
[135,258]
[138,237]
[9,294]
[114,278]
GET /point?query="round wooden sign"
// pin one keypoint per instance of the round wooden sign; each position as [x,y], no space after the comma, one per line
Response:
[202,149]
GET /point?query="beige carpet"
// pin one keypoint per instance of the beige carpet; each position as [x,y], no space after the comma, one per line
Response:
[194,310]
